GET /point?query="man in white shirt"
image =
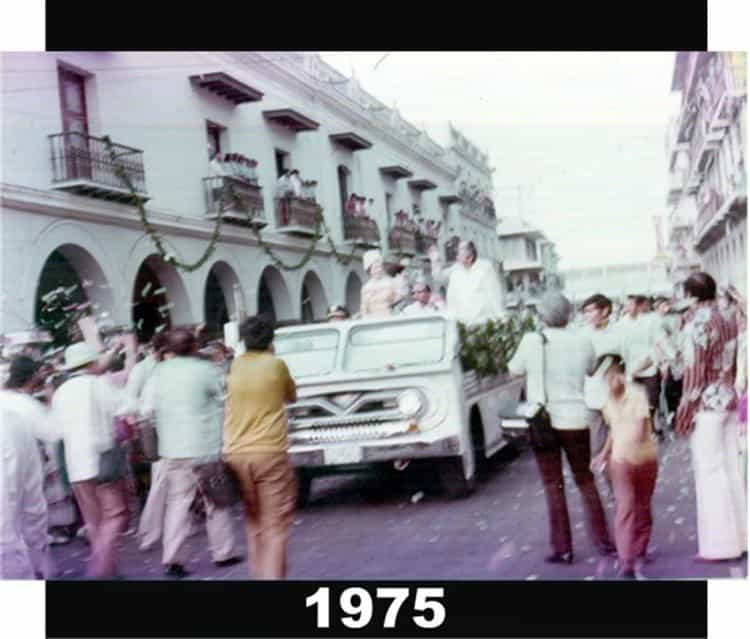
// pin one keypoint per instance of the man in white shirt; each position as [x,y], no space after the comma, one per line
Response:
[83,409]
[421,304]
[605,338]
[295,183]
[474,292]
[638,347]
[24,551]
[555,365]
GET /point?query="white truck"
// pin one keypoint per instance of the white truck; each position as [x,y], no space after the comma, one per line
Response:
[389,391]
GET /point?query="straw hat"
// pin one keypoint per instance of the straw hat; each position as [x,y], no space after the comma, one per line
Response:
[80,354]
[370,257]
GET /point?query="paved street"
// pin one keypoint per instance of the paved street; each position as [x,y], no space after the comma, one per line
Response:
[364,528]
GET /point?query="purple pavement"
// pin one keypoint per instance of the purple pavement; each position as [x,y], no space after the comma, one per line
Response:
[401,527]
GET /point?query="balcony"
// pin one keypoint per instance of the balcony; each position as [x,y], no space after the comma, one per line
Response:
[677,180]
[403,241]
[296,216]
[451,249]
[362,231]
[237,200]
[708,210]
[704,143]
[81,164]
[424,242]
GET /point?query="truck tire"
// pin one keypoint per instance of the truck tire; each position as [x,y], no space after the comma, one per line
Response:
[304,487]
[453,479]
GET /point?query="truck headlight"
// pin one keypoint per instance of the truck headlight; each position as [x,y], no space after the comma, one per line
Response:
[411,403]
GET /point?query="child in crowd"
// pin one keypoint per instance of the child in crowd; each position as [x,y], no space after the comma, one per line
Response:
[632,455]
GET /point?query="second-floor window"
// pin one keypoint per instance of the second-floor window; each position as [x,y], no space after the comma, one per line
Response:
[282,162]
[213,139]
[75,123]
[531,249]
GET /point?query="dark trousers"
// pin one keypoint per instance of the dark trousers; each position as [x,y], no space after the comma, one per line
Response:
[652,386]
[577,449]
[634,486]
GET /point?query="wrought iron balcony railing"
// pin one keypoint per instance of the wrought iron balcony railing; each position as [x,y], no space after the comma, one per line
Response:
[238,200]
[451,250]
[403,241]
[361,230]
[295,215]
[424,242]
[708,210]
[82,164]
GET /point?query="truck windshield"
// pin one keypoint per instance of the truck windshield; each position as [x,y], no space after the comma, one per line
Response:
[399,345]
[308,354]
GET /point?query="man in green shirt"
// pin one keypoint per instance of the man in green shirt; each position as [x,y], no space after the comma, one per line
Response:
[256,446]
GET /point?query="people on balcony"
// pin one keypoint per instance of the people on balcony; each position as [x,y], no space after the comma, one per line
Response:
[234,165]
[283,190]
[295,183]
[216,166]
[350,209]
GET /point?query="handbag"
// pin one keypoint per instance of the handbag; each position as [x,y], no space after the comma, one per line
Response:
[218,484]
[112,456]
[148,440]
[532,417]
[112,465]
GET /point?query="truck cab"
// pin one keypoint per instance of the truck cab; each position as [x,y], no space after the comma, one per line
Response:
[388,391]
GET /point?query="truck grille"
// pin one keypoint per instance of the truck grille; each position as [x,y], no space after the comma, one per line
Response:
[345,409]
[361,432]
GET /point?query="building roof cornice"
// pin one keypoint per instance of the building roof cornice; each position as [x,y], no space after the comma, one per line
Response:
[319,82]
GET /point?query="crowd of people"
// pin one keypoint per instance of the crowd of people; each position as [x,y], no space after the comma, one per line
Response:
[76,461]
[615,389]
[86,415]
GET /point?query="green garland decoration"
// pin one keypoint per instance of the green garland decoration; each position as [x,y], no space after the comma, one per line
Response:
[487,348]
[231,195]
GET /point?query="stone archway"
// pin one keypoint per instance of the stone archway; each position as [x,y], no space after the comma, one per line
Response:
[353,292]
[313,301]
[223,298]
[273,295]
[74,272]
[160,299]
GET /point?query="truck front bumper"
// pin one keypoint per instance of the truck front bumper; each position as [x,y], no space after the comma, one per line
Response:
[316,456]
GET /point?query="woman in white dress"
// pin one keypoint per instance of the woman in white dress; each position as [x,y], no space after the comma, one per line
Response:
[379,293]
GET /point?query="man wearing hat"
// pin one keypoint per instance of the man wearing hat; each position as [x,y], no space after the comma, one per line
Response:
[83,410]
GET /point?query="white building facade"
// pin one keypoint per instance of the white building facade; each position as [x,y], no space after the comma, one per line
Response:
[530,261]
[67,218]
[707,199]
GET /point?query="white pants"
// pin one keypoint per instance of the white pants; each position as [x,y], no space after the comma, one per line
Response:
[719,486]
[152,517]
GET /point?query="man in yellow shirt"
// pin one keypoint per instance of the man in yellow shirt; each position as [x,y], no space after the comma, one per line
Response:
[632,454]
[256,446]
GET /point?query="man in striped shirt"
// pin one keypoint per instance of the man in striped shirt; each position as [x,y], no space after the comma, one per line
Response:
[707,415]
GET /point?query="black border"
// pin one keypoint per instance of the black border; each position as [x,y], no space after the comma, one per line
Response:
[475,609]
[585,25]
[213,609]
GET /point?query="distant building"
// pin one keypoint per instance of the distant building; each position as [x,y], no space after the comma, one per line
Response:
[617,281]
[707,198]
[529,261]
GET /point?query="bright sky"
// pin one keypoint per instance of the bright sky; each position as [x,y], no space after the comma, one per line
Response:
[584,135]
